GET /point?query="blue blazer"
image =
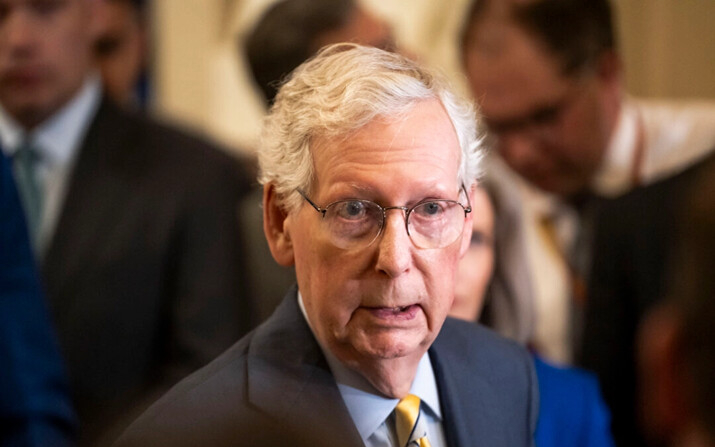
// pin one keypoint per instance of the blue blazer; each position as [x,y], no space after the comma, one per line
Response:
[275,388]
[571,410]
[34,400]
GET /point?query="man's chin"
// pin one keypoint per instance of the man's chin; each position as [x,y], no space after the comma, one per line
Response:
[389,346]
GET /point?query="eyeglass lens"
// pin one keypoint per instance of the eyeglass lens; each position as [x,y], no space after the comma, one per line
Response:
[358,223]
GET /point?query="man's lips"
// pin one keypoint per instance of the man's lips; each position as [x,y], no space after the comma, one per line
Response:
[395,313]
[23,77]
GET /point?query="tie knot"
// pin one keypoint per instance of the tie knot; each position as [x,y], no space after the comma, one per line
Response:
[26,161]
[407,421]
[27,154]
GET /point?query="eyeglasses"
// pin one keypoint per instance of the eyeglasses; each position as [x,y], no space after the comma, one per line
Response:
[355,224]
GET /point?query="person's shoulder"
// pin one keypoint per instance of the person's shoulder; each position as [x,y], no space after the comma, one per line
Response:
[489,378]
[224,403]
[664,110]
[659,193]
[168,146]
[567,387]
[567,377]
[201,405]
[571,406]
[479,351]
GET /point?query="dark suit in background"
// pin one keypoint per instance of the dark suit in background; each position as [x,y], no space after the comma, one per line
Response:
[35,409]
[144,273]
[633,239]
[274,387]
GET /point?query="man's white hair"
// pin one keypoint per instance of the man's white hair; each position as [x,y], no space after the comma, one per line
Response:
[340,90]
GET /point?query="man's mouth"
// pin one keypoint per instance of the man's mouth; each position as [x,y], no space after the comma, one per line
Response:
[395,313]
[399,309]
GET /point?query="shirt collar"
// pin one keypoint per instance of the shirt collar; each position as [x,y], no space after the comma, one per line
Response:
[616,171]
[59,136]
[368,408]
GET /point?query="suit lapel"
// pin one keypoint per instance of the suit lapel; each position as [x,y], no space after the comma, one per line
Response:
[464,396]
[93,200]
[289,378]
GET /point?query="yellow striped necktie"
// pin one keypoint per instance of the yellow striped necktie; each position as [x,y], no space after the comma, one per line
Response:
[407,414]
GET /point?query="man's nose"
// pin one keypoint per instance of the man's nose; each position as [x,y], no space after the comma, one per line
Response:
[394,246]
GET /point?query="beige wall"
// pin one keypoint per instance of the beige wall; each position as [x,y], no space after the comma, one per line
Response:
[668,46]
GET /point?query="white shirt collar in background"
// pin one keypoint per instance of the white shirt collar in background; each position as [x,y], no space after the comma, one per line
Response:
[58,140]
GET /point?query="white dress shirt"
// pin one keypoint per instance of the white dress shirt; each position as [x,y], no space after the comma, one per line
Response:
[371,412]
[57,140]
[673,136]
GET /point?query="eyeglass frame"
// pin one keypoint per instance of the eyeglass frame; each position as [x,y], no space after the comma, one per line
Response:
[407,210]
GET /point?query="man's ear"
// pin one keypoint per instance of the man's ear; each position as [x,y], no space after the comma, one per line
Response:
[467,231]
[609,66]
[274,219]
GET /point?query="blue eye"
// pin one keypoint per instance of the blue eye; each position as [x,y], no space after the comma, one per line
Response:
[429,209]
[351,209]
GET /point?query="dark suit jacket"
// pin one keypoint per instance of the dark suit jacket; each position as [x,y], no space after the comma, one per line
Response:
[144,273]
[35,408]
[274,388]
[634,236]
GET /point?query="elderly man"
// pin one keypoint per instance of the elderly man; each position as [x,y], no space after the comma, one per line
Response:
[368,164]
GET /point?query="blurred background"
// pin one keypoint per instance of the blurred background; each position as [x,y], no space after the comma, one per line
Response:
[198,75]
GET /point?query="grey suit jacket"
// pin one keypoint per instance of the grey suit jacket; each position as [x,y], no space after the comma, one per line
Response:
[274,388]
[144,272]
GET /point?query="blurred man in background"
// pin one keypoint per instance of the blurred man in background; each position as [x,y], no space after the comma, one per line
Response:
[134,223]
[549,79]
[677,339]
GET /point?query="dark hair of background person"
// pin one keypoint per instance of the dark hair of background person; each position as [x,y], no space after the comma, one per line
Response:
[692,293]
[286,36]
[576,31]
[114,50]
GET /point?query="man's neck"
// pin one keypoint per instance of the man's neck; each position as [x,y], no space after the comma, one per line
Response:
[615,174]
[391,377]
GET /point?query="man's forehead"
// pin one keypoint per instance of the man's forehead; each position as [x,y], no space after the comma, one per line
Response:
[521,76]
[423,136]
